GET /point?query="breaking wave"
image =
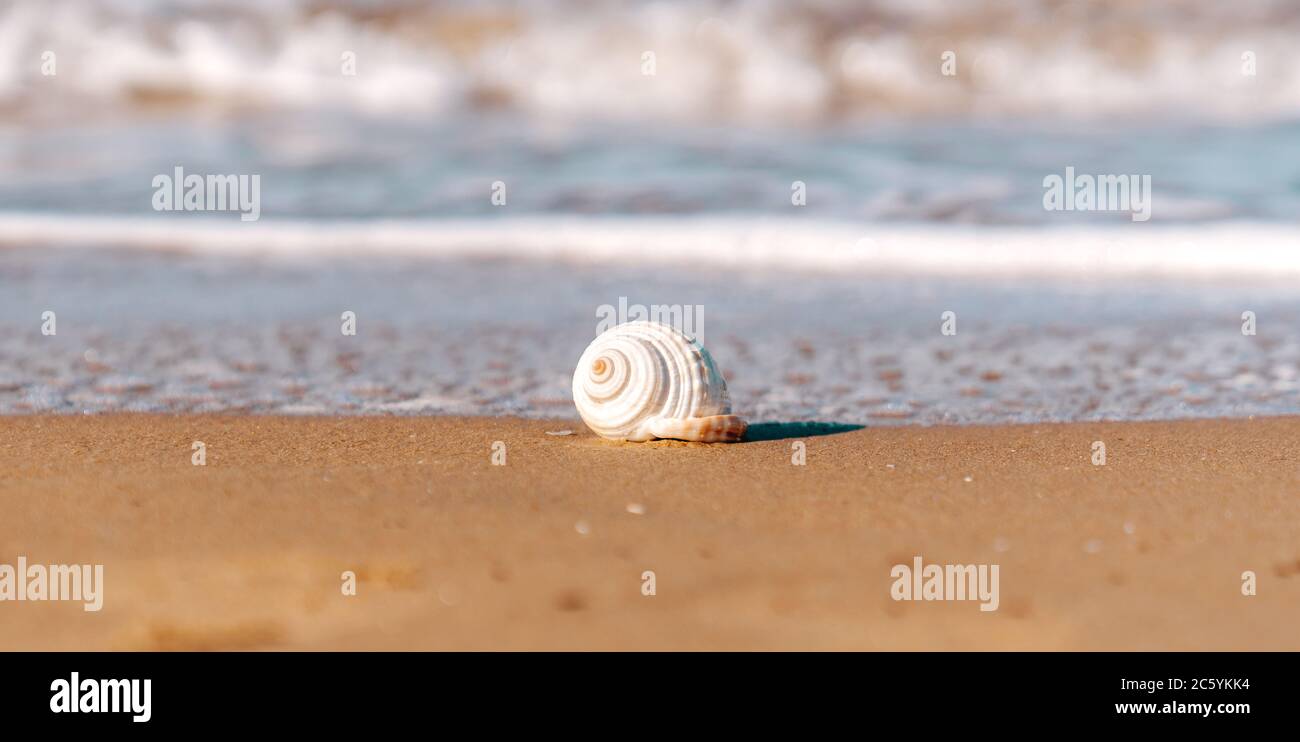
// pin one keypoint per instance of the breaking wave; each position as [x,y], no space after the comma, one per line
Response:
[797,63]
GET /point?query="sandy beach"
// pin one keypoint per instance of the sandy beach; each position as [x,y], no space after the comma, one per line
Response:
[749,551]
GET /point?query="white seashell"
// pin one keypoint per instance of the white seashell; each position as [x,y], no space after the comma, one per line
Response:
[644,380]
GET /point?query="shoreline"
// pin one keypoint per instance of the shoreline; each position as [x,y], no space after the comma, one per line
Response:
[548,551]
[343,336]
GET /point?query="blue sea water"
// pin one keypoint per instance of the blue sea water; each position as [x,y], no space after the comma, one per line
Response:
[921,194]
[334,166]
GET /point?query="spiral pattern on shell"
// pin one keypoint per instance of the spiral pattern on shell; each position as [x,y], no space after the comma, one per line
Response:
[637,377]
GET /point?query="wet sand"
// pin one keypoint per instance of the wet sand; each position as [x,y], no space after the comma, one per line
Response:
[227,335]
[548,551]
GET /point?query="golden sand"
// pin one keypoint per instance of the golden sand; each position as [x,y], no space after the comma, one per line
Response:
[748,550]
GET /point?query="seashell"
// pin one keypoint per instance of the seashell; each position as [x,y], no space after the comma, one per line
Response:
[644,380]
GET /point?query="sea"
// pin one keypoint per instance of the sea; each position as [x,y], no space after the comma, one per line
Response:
[852,198]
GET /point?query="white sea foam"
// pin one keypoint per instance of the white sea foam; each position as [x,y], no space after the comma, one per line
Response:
[1216,250]
[220,333]
[769,60]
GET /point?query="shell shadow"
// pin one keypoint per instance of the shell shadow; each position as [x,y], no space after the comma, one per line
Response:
[779,431]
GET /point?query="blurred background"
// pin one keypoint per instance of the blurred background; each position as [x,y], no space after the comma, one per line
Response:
[384,108]
[649,151]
